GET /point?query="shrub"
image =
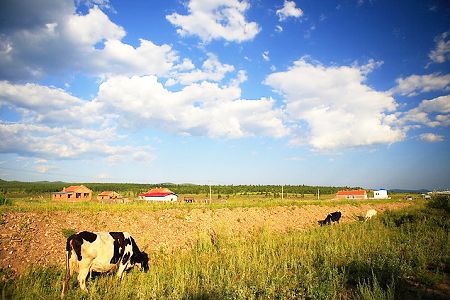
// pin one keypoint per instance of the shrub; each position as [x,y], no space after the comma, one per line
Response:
[4,201]
[440,201]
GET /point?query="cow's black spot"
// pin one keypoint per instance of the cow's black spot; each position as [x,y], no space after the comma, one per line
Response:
[119,246]
[76,240]
[88,236]
[125,258]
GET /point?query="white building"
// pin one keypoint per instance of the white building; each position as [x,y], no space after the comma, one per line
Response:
[380,194]
[159,194]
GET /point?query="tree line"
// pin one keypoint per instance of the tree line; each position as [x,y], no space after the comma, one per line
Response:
[41,187]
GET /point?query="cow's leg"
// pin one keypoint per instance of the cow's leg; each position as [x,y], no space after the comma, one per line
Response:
[82,275]
[122,268]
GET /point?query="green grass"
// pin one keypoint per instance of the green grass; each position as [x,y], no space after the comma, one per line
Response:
[46,205]
[359,260]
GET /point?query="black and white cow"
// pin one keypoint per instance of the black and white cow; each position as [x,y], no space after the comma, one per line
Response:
[333,217]
[101,252]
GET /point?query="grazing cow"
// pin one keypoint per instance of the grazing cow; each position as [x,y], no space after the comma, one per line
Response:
[101,252]
[333,217]
[370,213]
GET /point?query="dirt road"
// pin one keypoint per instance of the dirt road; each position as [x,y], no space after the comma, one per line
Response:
[28,239]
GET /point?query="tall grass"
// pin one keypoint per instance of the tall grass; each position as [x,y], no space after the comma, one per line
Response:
[26,205]
[348,261]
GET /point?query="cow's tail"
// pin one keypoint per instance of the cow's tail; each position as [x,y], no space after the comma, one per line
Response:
[67,276]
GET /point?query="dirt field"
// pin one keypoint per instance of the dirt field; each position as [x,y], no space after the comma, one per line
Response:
[28,239]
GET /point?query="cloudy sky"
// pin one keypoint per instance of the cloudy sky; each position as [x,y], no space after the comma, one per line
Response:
[352,92]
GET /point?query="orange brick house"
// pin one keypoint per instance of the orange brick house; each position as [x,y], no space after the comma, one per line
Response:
[73,193]
[353,194]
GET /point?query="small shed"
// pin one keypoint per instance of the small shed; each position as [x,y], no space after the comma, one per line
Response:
[159,194]
[380,194]
[73,193]
[352,194]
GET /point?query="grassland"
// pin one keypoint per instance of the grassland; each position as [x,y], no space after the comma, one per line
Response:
[42,203]
[399,255]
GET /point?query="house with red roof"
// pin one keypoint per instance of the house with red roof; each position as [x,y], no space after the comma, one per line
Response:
[73,193]
[351,194]
[159,194]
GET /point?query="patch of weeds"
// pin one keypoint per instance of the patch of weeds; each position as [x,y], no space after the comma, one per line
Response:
[5,201]
[68,232]
[440,201]
[373,290]
[180,217]
[24,225]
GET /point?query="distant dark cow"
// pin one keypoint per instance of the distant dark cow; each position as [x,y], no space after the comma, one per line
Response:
[101,252]
[333,217]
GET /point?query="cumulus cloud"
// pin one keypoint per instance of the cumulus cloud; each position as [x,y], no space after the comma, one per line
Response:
[431,137]
[212,70]
[416,84]
[47,105]
[432,113]
[58,40]
[441,53]
[333,107]
[220,19]
[289,10]
[198,109]
[60,143]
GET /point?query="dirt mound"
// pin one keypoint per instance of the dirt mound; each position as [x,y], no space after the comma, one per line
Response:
[37,238]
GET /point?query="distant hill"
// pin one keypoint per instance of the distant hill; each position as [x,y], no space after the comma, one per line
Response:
[406,191]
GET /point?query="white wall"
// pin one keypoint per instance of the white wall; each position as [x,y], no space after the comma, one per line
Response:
[380,194]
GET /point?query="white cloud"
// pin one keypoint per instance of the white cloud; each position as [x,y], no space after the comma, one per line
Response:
[333,108]
[219,19]
[289,10]
[265,56]
[198,109]
[441,53]
[212,70]
[103,176]
[63,143]
[47,105]
[278,28]
[431,137]
[64,41]
[432,113]
[92,27]
[415,84]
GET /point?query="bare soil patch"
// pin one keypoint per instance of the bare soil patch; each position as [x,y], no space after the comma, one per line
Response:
[31,239]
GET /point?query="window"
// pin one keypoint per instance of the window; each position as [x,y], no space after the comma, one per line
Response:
[86,195]
[78,195]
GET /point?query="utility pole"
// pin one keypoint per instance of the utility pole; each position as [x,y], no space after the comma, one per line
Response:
[282,196]
[210,196]
[318,194]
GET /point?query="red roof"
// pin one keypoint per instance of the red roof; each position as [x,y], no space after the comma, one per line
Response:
[352,193]
[72,188]
[158,192]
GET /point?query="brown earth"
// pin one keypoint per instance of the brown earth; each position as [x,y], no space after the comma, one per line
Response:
[30,239]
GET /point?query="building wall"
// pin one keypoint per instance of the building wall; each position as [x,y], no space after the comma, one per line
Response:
[81,194]
[351,196]
[165,198]
[381,194]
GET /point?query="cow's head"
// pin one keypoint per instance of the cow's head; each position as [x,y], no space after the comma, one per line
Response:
[143,261]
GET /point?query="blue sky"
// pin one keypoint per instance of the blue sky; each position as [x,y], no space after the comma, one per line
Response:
[225,91]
